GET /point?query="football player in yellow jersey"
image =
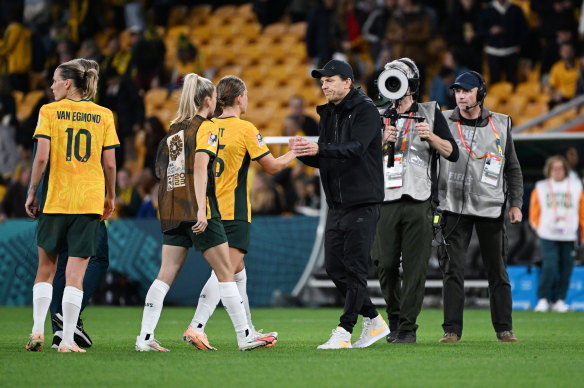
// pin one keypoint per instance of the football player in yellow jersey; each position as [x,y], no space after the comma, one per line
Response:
[239,144]
[190,217]
[74,137]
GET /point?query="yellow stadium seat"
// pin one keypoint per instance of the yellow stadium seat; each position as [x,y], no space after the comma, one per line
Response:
[225,11]
[298,30]
[250,30]
[177,15]
[276,30]
[156,96]
[18,96]
[530,89]
[501,89]
[199,35]
[492,101]
[199,14]
[28,103]
[535,109]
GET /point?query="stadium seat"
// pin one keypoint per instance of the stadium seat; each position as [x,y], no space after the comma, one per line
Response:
[535,109]
[200,35]
[177,15]
[501,89]
[298,30]
[492,101]
[156,96]
[225,12]
[276,30]
[530,89]
[250,30]
[28,103]
[199,14]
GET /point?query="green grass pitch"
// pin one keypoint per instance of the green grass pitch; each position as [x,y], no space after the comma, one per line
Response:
[550,353]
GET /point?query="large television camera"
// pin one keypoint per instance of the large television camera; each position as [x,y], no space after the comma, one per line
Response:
[393,85]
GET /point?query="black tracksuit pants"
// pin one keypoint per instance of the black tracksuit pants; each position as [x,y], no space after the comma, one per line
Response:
[348,239]
[493,245]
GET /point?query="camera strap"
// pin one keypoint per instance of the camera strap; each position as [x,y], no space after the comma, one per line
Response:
[405,138]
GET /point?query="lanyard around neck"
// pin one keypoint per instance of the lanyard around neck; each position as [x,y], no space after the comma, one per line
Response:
[403,147]
[553,197]
[497,139]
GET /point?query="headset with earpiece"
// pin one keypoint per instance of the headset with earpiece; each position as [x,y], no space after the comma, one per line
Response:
[482,88]
[413,83]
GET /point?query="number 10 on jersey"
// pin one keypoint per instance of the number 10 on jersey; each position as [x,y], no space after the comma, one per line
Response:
[73,143]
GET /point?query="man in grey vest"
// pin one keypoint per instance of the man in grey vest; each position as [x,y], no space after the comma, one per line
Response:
[473,192]
[405,226]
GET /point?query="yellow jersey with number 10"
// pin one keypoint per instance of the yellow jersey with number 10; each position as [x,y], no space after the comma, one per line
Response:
[240,142]
[79,131]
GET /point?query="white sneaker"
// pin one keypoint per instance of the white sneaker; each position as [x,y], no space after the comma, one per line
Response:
[560,307]
[373,330]
[260,333]
[257,341]
[340,339]
[149,345]
[542,306]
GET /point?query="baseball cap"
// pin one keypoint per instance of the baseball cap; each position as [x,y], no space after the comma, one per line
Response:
[467,81]
[334,67]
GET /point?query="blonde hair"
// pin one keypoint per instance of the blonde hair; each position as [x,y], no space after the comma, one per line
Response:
[84,73]
[547,168]
[194,91]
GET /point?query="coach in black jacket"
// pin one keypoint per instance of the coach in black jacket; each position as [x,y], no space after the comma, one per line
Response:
[349,156]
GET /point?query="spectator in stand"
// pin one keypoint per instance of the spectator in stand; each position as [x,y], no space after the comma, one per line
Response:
[16,51]
[147,61]
[320,42]
[374,27]
[190,60]
[440,89]
[308,125]
[7,103]
[90,50]
[127,197]
[558,25]
[556,211]
[154,134]
[265,199]
[15,197]
[348,32]
[460,32]
[503,27]
[8,150]
[564,76]
[409,32]
[570,153]
[122,97]
[149,206]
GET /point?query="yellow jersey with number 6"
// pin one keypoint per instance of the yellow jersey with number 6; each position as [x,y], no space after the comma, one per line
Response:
[239,143]
[79,131]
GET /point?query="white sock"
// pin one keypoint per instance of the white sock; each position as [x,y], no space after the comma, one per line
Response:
[71,305]
[208,301]
[234,305]
[241,281]
[153,307]
[42,293]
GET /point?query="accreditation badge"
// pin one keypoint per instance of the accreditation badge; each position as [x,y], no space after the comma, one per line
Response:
[492,169]
[394,175]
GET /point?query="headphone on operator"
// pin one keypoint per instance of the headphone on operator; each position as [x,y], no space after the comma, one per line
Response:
[482,88]
[413,83]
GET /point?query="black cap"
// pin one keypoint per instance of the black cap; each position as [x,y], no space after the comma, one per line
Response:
[334,67]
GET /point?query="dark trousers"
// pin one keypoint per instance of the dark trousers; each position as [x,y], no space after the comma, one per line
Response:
[404,230]
[556,269]
[347,246]
[493,245]
[509,64]
[96,268]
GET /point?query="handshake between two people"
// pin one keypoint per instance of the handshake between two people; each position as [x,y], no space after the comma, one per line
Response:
[302,147]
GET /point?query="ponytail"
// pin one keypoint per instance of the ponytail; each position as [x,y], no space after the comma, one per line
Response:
[195,89]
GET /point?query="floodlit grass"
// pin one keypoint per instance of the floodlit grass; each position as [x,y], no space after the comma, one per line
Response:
[550,353]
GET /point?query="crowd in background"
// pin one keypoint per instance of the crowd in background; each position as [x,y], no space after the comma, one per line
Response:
[502,39]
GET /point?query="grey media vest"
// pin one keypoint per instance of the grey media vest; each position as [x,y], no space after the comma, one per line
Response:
[416,160]
[480,199]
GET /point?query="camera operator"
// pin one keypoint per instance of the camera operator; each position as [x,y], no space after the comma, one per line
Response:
[348,154]
[473,192]
[405,226]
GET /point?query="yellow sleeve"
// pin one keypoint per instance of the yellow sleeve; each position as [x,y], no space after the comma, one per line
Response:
[207,137]
[43,128]
[254,143]
[10,39]
[110,139]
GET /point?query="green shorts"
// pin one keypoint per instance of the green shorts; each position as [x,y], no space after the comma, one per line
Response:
[183,236]
[79,231]
[237,234]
